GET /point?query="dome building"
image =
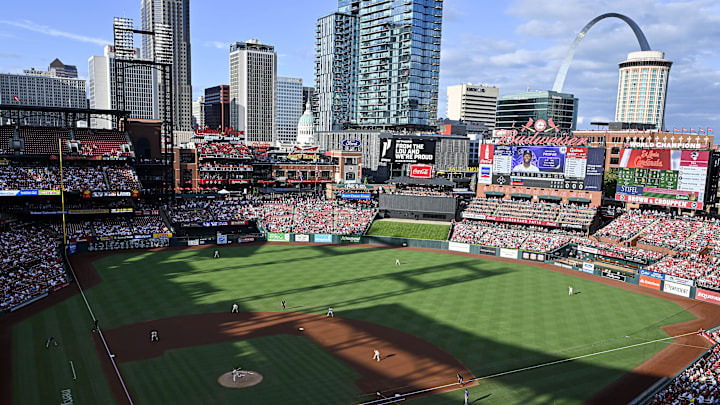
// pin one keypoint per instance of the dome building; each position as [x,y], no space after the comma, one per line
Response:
[306,127]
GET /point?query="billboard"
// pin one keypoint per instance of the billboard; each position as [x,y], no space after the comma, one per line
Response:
[675,178]
[558,167]
[421,171]
[322,238]
[278,237]
[707,296]
[677,289]
[650,282]
[394,150]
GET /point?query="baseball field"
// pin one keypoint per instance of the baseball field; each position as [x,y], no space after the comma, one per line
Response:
[511,325]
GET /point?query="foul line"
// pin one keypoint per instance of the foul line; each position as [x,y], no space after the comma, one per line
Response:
[381,401]
[107,349]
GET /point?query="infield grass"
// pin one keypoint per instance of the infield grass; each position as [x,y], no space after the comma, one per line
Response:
[409,230]
[493,316]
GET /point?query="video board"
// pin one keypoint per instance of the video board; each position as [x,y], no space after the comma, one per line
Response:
[555,167]
[393,150]
[674,178]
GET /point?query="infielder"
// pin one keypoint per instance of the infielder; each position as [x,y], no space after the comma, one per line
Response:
[569,290]
[216,254]
[234,308]
[154,336]
[283,304]
[330,312]
[460,379]
[376,355]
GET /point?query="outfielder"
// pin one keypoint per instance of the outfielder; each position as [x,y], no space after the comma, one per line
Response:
[397,262]
[283,304]
[154,336]
[569,290]
[234,308]
[330,312]
[376,355]
[216,254]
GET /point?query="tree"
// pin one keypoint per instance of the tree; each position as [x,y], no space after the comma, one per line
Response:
[610,183]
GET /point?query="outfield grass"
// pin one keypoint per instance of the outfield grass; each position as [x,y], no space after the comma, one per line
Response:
[409,230]
[493,316]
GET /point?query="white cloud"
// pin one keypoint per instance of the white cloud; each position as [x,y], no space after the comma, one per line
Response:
[216,44]
[42,29]
[531,53]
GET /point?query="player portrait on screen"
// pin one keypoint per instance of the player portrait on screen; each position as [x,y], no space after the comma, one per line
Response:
[526,166]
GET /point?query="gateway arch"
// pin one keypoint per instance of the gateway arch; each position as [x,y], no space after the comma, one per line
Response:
[642,41]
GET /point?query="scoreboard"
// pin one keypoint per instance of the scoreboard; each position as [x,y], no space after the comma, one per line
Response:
[553,167]
[674,178]
[667,179]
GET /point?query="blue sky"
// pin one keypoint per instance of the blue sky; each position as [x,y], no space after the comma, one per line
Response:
[509,44]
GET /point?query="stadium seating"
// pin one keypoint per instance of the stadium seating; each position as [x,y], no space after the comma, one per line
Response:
[581,216]
[29,264]
[698,384]
[627,225]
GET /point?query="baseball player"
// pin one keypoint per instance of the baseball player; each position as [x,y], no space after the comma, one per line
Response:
[154,336]
[235,308]
[216,254]
[460,379]
[330,312]
[569,290]
[283,304]
[376,355]
[236,373]
[397,262]
[467,395]
[50,340]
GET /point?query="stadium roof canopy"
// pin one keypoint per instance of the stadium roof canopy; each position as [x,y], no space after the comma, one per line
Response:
[436,181]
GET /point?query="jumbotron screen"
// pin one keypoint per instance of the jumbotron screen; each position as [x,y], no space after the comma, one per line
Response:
[556,167]
[674,178]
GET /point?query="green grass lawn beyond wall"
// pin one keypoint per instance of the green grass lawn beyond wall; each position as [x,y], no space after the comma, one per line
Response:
[493,316]
[409,230]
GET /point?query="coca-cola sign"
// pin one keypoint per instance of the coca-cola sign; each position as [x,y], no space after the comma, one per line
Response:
[421,171]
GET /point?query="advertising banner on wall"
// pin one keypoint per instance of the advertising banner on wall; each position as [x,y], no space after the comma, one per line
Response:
[588,268]
[278,237]
[459,247]
[407,150]
[652,274]
[221,239]
[678,280]
[677,289]
[350,239]
[193,242]
[613,275]
[302,238]
[650,282]
[322,238]
[707,296]
[509,253]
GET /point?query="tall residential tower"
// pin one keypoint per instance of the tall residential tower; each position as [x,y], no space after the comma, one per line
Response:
[467,102]
[253,73]
[377,64]
[175,13]
[642,88]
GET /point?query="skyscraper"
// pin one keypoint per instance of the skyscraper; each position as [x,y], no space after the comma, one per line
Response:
[198,112]
[336,47]
[140,88]
[289,108]
[217,107]
[253,72]
[386,57]
[472,103]
[63,70]
[514,111]
[175,13]
[642,88]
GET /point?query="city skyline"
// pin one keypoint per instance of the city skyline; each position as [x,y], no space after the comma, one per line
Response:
[511,46]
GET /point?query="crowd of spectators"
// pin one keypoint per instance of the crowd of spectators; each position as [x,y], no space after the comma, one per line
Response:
[313,216]
[581,216]
[226,150]
[687,265]
[668,232]
[193,210]
[628,225]
[122,178]
[30,264]
[352,221]
[488,234]
[698,384]
[630,252]
[75,178]
[148,225]
[707,236]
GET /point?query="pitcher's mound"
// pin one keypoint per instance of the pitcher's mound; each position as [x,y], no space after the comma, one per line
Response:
[246,379]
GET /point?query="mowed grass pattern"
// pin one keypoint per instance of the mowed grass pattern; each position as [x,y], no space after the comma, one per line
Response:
[294,370]
[409,230]
[493,316]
